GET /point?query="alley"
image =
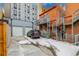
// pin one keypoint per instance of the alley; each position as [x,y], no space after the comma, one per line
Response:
[39,29]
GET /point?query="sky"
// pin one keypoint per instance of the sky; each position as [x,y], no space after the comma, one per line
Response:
[49,5]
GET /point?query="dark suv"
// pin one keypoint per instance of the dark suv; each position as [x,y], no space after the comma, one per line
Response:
[34,34]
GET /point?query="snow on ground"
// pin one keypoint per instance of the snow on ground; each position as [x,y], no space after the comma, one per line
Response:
[16,49]
[63,48]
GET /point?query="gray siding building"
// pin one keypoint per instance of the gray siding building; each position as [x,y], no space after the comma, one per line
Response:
[22,16]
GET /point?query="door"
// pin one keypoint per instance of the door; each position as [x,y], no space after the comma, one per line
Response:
[17,31]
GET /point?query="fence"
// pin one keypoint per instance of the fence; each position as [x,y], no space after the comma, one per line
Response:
[70,38]
[77,39]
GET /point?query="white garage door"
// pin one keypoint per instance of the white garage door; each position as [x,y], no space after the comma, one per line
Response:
[17,31]
[27,29]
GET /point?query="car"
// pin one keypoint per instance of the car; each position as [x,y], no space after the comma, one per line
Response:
[34,34]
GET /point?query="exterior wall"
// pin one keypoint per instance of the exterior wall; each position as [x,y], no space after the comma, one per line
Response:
[68,29]
[76,28]
[71,7]
[53,14]
[25,14]
[68,32]
[43,21]
[24,10]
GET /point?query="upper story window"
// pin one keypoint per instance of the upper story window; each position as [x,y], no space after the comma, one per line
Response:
[28,11]
[19,18]
[15,5]
[25,5]
[19,15]
[32,13]
[28,17]
[25,16]
[28,5]
[15,17]
[15,13]
[35,13]
[33,18]
[19,12]
[25,11]
[19,8]
[32,8]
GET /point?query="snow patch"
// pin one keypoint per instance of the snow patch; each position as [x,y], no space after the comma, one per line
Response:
[65,49]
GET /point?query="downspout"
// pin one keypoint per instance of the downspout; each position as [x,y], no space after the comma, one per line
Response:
[11,28]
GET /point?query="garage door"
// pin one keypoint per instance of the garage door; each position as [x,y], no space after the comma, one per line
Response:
[17,31]
[27,29]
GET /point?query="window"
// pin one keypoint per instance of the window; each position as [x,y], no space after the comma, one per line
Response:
[25,16]
[15,5]
[19,18]
[19,8]
[15,13]
[28,5]
[33,8]
[28,10]
[35,13]
[15,17]
[19,11]
[25,5]
[19,15]
[32,13]
[25,10]
[28,17]
[33,18]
